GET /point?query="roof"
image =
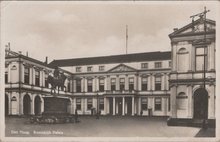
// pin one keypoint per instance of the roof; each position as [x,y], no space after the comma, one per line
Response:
[136,57]
[13,54]
[189,26]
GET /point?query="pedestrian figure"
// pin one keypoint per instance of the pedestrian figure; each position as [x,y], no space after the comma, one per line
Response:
[98,113]
[141,112]
[92,111]
[76,116]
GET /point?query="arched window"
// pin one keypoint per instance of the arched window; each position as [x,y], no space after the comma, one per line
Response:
[13,98]
[181,101]
[182,50]
[181,94]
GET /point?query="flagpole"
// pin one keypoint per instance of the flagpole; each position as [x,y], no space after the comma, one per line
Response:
[205,48]
[126,46]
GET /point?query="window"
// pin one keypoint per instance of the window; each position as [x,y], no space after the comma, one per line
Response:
[182,60]
[78,85]
[101,68]
[144,84]
[158,83]
[182,51]
[37,78]
[181,95]
[89,69]
[46,82]
[68,86]
[144,65]
[158,65]
[169,104]
[89,85]
[78,69]
[181,101]
[101,103]
[131,84]
[113,83]
[170,64]
[6,77]
[200,53]
[122,84]
[101,85]
[78,103]
[144,104]
[89,103]
[157,104]
[26,75]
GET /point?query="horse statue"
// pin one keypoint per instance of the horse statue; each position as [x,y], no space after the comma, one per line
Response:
[57,82]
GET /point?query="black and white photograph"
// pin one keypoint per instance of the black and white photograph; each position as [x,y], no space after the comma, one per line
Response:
[109,71]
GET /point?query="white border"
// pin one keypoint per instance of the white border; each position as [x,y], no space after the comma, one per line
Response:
[2,118]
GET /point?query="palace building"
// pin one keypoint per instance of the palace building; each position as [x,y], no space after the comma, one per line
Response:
[171,83]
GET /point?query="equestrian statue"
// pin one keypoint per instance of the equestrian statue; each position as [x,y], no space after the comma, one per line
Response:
[57,80]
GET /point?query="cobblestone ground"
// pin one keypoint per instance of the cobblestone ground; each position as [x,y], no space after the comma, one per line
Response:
[107,126]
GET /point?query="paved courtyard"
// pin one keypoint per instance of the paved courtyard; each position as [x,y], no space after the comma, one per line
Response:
[104,127]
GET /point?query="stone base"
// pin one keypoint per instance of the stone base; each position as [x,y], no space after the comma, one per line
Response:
[211,123]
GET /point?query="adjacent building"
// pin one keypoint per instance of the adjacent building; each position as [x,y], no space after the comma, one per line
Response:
[192,77]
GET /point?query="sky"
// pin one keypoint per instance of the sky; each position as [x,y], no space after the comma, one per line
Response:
[62,30]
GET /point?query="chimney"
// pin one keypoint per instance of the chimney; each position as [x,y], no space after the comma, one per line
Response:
[175,29]
[46,60]
[27,53]
[19,52]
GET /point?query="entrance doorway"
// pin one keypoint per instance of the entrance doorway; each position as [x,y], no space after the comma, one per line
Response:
[200,104]
[37,105]
[26,105]
[119,102]
[6,105]
[129,105]
[111,106]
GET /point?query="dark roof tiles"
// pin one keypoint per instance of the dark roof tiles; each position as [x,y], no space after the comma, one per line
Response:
[136,57]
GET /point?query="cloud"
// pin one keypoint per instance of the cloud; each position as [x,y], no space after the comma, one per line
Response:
[148,43]
[58,17]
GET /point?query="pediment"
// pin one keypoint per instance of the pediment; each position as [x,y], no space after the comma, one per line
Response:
[122,68]
[195,27]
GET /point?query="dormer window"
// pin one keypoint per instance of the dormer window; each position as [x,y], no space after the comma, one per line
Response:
[158,65]
[170,64]
[89,69]
[101,68]
[144,65]
[78,69]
